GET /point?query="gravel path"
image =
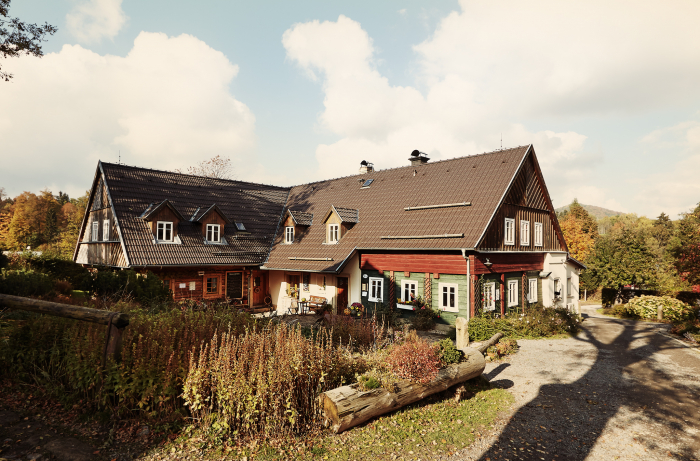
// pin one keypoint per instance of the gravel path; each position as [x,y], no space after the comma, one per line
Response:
[621,390]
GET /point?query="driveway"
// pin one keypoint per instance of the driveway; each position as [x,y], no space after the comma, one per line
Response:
[621,390]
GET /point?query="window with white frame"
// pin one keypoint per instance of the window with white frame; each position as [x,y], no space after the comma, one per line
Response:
[524,232]
[448,297]
[532,290]
[512,293]
[333,233]
[164,231]
[213,234]
[105,230]
[509,232]
[289,234]
[376,289]
[569,288]
[557,288]
[408,290]
[489,296]
[95,231]
[538,234]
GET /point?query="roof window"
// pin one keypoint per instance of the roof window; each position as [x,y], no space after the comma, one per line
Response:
[367,183]
[240,226]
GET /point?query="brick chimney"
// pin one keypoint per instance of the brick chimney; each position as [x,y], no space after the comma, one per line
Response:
[418,158]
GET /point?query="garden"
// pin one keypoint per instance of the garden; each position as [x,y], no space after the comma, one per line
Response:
[213,378]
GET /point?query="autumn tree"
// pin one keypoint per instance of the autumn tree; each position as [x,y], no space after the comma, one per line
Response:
[579,241]
[18,38]
[684,246]
[72,214]
[216,167]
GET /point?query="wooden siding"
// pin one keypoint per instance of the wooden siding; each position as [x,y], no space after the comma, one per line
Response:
[507,262]
[493,240]
[165,214]
[433,263]
[177,276]
[527,190]
[213,218]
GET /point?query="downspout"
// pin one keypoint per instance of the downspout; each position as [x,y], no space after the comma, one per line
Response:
[469,283]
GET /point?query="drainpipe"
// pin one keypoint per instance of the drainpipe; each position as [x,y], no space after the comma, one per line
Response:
[469,284]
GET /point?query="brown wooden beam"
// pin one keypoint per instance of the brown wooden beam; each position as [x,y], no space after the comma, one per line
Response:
[118,319]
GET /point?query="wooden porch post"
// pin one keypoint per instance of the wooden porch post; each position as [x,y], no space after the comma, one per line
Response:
[472,307]
[503,301]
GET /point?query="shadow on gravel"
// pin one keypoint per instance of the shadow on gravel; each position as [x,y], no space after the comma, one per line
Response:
[564,421]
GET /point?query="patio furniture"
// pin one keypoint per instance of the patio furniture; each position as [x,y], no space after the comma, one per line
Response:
[293,308]
[317,303]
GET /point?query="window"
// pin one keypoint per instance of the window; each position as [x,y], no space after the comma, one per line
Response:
[213,233]
[569,288]
[376,289]
[524,233]
[489,296]
[538,234]
[165,231]
[105,230]
[212,285]
[532,291]
[509,232]
[240,226]
[448,297]
[512,293]
[408,290]
[95,231]
[288,234]
[333,233]
[557,288]
[166,284]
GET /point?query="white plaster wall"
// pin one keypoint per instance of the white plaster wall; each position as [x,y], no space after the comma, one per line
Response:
[554,263]
[276,290]
[573,296]
[353,270]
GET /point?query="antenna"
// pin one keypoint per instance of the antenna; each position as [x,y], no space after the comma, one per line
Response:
[120,157]
[501,141]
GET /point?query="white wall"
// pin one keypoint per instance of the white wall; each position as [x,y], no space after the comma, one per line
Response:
[559,268]
[353,271]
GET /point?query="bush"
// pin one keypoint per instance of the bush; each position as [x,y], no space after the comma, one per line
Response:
[646,307]
[26,283]
[359,334]
[265,382]
[448,353]
[415,360]
[57,268]
[146,289]
[536,322]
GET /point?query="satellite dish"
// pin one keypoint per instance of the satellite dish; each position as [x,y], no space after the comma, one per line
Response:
[363,163]
[415,153]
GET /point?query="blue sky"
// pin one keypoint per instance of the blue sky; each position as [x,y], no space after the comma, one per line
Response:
[299,91]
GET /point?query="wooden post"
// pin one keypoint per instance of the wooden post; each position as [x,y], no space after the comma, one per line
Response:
[660,313]
[503,301]
[462,339]
[472,301]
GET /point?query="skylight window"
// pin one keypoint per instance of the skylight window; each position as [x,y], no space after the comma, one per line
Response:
[240,226]
[367,183]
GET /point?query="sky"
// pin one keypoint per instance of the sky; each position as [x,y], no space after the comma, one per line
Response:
[293,92]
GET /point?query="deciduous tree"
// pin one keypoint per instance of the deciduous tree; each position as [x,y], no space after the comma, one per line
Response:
[216,167]
[685,246]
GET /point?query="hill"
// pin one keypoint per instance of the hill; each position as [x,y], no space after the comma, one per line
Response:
[596,211]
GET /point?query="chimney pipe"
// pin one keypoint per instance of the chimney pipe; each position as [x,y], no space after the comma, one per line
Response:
[366,167]
[418,158]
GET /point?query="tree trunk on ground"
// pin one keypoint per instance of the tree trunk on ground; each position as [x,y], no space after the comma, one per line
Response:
[346,406]
[494,339]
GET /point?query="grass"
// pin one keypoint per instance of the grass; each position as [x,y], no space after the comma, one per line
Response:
[434,426]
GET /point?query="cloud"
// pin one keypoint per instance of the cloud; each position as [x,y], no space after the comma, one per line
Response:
[92,20]
[165,105]
[497,69]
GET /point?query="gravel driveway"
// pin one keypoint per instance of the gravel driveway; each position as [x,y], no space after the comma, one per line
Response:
[621,390]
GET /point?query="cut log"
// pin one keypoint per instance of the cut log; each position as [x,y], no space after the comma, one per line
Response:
[494,339]
[347,406]
[118,319]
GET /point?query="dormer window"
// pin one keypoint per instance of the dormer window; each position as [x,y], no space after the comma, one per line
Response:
[165,231]
[333,233]
[213,234]
[289,234]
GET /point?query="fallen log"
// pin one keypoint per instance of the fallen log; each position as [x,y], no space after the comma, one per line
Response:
[347,406]
[494,339]
[87,314]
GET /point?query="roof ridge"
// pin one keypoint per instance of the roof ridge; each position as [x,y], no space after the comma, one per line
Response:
[412,166]
[122,165]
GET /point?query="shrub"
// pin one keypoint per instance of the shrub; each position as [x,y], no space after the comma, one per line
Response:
[26,283]
[415,360]
[357,334]
[145,289]
[265,382]
[536,322]
[646,307]
[367,383]
[448,353]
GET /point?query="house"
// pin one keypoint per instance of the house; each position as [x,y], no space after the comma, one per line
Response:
[467,234]
[205,237]
[476,232]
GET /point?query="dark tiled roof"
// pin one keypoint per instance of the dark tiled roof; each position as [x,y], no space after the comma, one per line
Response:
[257,206]
[301,218]
[348,214]
[479,179]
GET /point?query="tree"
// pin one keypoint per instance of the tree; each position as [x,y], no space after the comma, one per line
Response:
[579,241]
[685,246]
[62,198]
[663,229]
[19,38]
[216,167]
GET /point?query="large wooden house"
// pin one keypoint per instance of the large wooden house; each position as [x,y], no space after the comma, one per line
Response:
[467,234]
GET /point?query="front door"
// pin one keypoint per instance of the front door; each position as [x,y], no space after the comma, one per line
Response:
[259,287]
[342,294]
